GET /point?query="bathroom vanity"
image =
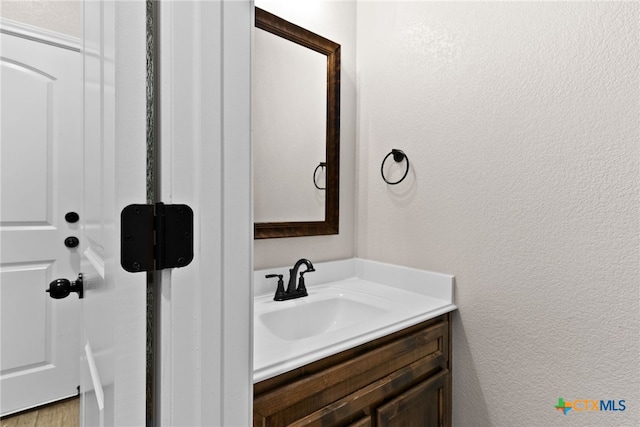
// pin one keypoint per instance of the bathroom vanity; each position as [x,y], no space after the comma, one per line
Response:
[401,379]
[369,346]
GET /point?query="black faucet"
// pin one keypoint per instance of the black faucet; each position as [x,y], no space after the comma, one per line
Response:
[292,291]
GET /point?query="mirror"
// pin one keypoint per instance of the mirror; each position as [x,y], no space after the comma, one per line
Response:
[296,130]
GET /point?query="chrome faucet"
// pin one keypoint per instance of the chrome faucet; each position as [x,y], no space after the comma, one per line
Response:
[292,291]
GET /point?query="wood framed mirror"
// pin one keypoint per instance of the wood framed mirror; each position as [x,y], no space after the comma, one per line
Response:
[284,220]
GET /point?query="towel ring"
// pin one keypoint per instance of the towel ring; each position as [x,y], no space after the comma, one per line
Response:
[315,182]
[398,156]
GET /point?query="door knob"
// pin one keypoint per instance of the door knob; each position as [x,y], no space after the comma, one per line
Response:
[61,288]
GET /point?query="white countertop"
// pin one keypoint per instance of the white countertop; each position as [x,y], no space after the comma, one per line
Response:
[404,296]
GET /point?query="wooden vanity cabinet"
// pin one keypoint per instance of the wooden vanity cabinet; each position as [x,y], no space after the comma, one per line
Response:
[403,379]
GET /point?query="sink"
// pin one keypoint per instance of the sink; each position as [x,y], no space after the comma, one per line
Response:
[341,312]
[307,317]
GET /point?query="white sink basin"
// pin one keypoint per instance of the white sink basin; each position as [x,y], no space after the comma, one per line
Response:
[336,316]
[311,317]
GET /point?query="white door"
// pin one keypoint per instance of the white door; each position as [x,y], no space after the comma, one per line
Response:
[41,181]
[114,307]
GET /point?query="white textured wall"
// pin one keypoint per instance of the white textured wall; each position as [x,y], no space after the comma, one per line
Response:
[55,15]
[334,20]
[521,123]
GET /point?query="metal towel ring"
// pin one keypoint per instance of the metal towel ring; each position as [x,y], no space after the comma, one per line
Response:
[398,156]
[315,182]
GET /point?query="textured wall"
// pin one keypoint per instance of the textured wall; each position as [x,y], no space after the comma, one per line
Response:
[55,15]
[521,123]
[334,20]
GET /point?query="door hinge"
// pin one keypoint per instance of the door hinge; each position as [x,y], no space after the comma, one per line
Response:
[155,237]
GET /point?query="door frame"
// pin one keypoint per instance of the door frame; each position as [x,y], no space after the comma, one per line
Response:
[204,370]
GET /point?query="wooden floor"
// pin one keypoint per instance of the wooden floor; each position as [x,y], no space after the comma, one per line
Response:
[61,414]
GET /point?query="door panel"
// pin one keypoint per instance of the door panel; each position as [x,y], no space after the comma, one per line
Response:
[40,182]
[26,153]
[422,405]
[24,347]
[113,348]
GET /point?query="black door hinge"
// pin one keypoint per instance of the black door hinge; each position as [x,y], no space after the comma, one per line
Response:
[155,237]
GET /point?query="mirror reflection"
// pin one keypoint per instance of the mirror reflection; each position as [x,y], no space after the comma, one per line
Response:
[296,122]
[289,101]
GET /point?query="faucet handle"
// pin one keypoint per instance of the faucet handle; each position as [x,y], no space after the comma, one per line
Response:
[280,289]
[301,286]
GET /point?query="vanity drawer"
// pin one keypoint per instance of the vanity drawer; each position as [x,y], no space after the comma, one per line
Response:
[345,388]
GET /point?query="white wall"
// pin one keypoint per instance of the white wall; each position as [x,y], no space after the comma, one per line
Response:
[521,123]
[334,20]
[60,16]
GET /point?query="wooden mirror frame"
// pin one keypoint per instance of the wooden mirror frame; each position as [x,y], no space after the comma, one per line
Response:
[278,26]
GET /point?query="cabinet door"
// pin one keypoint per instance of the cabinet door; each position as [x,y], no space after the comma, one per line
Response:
[423,405]
[362,422]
